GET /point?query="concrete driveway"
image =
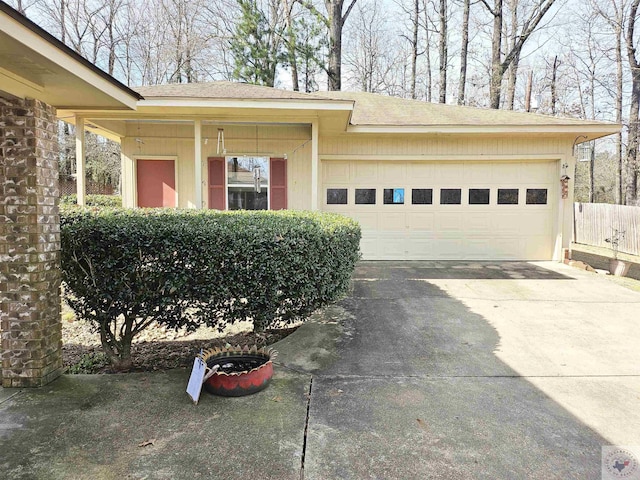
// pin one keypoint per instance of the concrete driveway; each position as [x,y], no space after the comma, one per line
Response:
[428,370]
[449,370]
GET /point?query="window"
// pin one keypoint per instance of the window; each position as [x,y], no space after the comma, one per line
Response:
[450,196]
[393,196]
[478,196]
[422,196]
[248,183]
[507,196]
[365,196]
[336,196]
[536,196]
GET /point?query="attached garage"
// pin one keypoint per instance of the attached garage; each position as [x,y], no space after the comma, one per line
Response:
[472,210]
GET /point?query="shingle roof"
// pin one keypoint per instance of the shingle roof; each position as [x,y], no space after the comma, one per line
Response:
[374,109]
[369,109]
[219,90]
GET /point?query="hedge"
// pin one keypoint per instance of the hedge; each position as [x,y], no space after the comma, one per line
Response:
[123,268]
[93,200]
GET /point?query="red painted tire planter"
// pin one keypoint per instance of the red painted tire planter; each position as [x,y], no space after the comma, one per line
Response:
[227,381]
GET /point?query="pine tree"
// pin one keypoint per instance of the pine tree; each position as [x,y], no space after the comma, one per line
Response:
[256,45]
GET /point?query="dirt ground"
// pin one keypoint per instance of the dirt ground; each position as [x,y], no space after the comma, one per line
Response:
[156,348]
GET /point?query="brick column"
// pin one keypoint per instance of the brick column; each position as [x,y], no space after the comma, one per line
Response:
[30,324]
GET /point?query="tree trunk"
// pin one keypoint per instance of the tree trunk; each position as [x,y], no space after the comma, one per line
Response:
[427,55]
[334,62]
[527,95]
[443,51]
[554,86]
[632,149]
[464,52]
[118,352]
[513,68]
[619,90]
[414,47]
[291,47]
[497,72]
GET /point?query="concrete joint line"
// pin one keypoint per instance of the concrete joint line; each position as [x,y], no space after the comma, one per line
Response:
[445,377]
[10,397]
[306,429]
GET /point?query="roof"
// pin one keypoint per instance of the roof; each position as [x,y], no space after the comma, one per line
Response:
[219,91]
[369,109]
[375,109]
[48,73]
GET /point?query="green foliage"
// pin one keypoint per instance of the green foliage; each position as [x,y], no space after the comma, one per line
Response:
[124,269]
[93,200]
[256,45]
[89,363]
[310,43]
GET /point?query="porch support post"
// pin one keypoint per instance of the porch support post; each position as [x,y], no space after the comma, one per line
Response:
[315,164]
[198,162]
[80,161]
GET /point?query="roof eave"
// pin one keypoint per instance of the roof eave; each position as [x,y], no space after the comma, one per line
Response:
[591,131]
[23,30]
[270,104]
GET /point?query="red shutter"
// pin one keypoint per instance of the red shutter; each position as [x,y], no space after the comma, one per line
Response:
[278,184]
[216,183]
[156,183]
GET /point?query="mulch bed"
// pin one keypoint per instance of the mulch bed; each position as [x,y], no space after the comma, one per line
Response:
[158,355]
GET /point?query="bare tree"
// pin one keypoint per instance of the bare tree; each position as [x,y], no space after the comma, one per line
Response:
[464,51]
[442,50]
[370,58]
[501,62]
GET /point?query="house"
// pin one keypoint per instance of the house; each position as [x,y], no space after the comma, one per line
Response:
[426,181]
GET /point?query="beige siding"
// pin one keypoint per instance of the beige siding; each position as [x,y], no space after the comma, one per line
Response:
[440,145]
[177,140]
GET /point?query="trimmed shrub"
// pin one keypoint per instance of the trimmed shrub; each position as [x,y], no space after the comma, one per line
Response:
[125,268]
[93,200]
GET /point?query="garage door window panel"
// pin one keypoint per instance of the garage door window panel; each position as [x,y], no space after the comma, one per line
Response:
[365,196]
[422,196]
[393,196]
[450,196]
[507,196]
[337,196]
[536,196]
[479,196]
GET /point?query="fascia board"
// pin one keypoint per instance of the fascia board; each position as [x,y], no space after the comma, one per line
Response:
[595,130]
[242,104]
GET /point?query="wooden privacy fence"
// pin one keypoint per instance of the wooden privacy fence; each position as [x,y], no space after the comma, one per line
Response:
[594,222]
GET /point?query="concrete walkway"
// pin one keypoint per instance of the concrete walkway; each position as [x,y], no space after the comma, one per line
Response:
[428,370]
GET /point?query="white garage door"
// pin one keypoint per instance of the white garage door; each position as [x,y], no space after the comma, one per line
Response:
[447,210]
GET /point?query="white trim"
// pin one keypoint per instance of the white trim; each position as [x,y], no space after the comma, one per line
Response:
[599,130]
[441,158]
[197,156]
[9,75]
[267,104]
[154,157]
[80,162]
[315,166]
